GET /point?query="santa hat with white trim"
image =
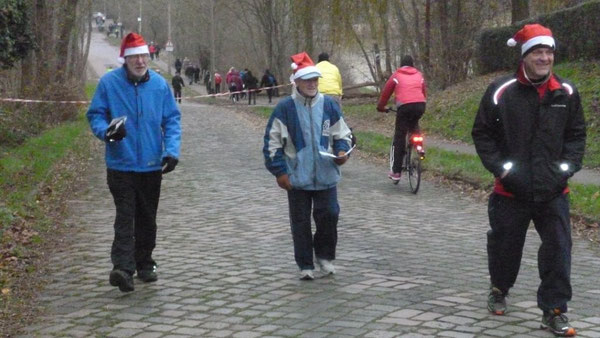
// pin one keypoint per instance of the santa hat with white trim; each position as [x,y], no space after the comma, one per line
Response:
[303,66]
[533,35]
[132,44]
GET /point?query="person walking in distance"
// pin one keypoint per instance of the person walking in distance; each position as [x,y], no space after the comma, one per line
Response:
[410,94]
[530,133]
[302,130]
[178,65]
[177,83]
[133,111]
[330,83]
[268,81]
[251,85]
[218,80]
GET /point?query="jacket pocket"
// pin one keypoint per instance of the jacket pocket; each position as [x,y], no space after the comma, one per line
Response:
[557,179]
[516,182]
[328,173]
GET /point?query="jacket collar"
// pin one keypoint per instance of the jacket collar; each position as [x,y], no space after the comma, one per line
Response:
[549,83]
[130,78]
[305,101]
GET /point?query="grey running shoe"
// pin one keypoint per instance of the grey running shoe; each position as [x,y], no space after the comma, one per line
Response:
[496,301]
[557,323]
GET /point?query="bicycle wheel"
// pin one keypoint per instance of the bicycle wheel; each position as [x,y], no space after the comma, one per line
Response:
[414,169]
[392,160]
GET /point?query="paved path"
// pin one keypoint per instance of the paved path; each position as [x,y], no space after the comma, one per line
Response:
[408,265]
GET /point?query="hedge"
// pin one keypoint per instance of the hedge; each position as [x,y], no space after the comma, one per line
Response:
[576,31]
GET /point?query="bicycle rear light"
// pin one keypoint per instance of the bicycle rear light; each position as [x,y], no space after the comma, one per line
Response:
[418,139]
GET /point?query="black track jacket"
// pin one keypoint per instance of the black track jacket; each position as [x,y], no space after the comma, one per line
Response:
[513,124]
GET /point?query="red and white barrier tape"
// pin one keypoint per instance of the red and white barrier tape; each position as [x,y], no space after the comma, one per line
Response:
[41,101]
[237,92]
[7,99]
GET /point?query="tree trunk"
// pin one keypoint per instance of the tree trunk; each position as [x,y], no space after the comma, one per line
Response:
[365,54]
[417,27]
[69,8]
[444,33]
[383,14]
[427,43]
[379,78]
[519,10]
[86,47]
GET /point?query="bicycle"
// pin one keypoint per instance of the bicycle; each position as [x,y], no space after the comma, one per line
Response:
[414,155]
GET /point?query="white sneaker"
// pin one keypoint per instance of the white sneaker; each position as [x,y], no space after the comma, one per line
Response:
[307,275]
[326,266]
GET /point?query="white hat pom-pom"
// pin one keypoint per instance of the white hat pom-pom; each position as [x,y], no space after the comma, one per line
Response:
[294,66]
[121,60]
[511,42]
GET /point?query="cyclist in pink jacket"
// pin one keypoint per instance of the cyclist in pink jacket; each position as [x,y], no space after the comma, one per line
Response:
[410,92]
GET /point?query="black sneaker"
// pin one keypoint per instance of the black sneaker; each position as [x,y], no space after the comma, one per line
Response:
[557,323]
[496,301]
[148,275]
[122,279]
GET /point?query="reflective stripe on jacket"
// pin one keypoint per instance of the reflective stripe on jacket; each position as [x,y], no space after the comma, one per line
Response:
[536,135]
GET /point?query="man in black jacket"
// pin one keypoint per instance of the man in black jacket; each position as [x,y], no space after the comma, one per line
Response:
[530,133]
[177,83]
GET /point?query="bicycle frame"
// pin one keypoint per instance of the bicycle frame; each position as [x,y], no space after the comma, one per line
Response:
[414,154]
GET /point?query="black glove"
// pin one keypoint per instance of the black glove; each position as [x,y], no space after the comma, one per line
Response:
[352,138]
[168,164]
[115,132]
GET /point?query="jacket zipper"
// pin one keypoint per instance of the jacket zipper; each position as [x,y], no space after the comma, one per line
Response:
[137,123]
[312,141]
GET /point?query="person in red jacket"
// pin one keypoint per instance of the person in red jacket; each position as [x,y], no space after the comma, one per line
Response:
[410,92]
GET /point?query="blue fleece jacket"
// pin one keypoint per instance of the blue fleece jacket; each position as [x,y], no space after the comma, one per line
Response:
[153,120]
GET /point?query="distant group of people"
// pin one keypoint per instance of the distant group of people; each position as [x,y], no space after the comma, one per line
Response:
[154,50]
[248,85]
[240,84]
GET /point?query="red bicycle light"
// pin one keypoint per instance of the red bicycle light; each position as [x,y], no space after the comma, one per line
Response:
[418,138]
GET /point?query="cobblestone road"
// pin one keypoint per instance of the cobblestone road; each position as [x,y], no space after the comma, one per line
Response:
[408,266]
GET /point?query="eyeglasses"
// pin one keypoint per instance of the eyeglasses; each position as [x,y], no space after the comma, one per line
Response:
[139,56]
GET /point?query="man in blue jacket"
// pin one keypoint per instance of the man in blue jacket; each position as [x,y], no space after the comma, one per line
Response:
[304,133]
[133,111]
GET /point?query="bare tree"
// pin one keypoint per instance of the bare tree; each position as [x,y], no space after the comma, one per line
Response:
[519,10]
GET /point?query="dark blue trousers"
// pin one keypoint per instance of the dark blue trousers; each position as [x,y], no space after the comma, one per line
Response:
[136,198]
[325,211]
[509,220]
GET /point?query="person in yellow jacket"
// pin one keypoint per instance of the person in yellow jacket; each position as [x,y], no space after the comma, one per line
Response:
[331,81]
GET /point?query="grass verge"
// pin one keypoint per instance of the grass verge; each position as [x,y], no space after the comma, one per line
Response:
[35,177]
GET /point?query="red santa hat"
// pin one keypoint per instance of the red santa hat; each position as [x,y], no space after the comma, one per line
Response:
[303,67]
[531,36]
[133,44]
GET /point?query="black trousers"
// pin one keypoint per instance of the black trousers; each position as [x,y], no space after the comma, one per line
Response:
[177,94]
[407,119]
[251,96]
[323,205]
[136,198]
[509,220]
